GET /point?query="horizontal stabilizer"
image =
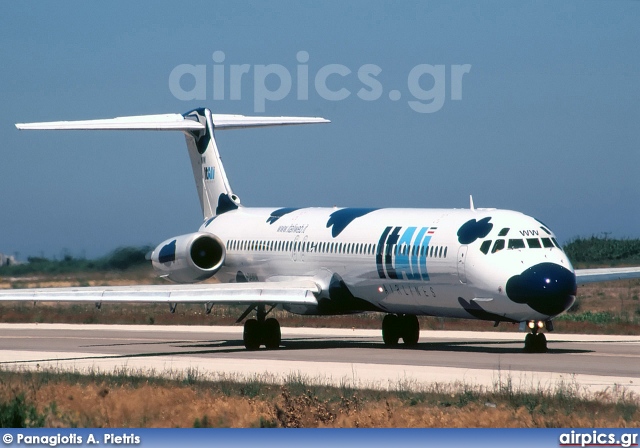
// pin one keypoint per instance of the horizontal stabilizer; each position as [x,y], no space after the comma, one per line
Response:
[221,121]
[166,122]
[171,122]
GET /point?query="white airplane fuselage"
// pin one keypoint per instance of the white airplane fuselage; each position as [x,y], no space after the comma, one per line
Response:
[404,261]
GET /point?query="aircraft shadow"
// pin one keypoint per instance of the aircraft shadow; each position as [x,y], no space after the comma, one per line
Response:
[495,347]
[199,348]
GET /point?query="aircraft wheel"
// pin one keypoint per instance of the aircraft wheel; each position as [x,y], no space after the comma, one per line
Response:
[390,333]
[410,329]
[529,343]
[271,333]
[251,334]
[535,343]
[541,343]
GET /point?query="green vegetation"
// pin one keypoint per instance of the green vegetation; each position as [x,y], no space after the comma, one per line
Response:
[123,258]
[598,250]
[16,412]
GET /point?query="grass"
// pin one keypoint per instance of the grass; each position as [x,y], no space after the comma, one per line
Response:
[125,398]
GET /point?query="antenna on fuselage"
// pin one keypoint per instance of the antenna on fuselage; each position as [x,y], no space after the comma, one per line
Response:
[471,206]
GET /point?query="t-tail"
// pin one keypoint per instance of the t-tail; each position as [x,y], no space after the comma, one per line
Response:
[199,126]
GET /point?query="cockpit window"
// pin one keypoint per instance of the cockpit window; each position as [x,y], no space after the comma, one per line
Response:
[534,243]
[556,243]
[546,242]
[504,232]
[547,231]
[484,248]
[497,246]
[516,244]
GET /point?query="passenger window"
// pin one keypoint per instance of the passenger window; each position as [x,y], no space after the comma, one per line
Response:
[504,231]
[445,252]
[546,242]
[497,246]
[516,244]
[484,248]
[440,252]
[534,243]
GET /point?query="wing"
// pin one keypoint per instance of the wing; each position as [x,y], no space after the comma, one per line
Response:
[606,274]
[300,292]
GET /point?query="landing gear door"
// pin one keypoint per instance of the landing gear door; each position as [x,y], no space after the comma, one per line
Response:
[462,255]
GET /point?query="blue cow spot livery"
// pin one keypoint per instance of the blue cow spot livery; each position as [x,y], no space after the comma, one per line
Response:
[225,204]
[339,220]
[277,214]
[168,253]
[473,230]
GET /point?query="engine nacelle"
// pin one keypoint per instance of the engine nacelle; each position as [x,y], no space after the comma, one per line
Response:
[189,258]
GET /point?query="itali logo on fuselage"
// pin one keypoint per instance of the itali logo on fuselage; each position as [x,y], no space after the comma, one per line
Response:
[403,254]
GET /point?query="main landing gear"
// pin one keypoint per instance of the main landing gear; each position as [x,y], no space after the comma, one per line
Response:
[536,342]
[403,326]
[261,331]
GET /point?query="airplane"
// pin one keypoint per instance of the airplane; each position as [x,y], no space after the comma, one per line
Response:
[476,263]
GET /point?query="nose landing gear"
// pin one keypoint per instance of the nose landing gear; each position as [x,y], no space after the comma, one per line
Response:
[536,342]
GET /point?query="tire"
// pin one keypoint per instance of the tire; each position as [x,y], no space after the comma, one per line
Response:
[271,333]
[541,343]
[251,334]
[410,329]
[529,343]
[390,333]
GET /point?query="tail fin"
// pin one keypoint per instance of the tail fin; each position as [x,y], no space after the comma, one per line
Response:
[213,187]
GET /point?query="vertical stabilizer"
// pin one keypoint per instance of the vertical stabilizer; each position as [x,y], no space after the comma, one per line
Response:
[212,184]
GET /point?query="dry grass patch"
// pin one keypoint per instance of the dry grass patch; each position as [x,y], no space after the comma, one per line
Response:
[195,399]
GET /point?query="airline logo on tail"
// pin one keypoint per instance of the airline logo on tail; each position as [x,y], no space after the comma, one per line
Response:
[209,172]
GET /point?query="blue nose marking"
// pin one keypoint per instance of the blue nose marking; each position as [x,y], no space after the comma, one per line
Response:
[548,288]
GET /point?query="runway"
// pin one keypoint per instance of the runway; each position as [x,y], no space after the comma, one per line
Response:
[356,358]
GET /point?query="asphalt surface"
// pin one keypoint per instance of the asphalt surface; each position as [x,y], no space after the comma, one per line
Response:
[337,356]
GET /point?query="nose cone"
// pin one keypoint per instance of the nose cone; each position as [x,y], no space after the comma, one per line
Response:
[548,288]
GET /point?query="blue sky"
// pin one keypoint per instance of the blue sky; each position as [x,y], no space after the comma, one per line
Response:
[546,123]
